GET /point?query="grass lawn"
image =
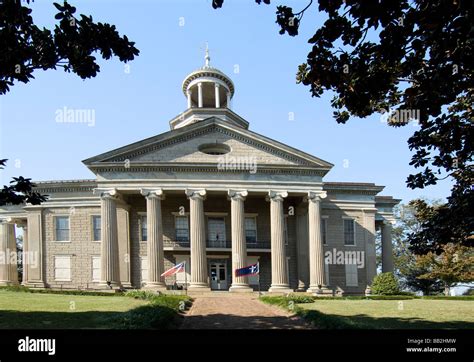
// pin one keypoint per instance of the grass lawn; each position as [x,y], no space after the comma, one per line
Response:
[34,310]
[385,314]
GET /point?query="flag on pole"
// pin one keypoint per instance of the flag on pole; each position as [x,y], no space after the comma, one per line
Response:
[253,269]
[176,269]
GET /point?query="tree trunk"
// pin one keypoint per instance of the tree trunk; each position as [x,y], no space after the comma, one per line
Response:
[446,290]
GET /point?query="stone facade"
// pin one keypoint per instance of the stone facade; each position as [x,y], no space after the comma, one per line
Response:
[238,197]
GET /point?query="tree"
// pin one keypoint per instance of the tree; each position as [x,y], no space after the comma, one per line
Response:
[26,48]
[453,266]
[412,270]
[405,264]
[19,191]
[408,60]
[20,256]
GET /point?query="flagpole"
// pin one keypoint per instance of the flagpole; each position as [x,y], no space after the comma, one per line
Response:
[258,265]
[185,279]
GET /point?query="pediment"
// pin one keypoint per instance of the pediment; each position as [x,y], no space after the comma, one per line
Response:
[181,146]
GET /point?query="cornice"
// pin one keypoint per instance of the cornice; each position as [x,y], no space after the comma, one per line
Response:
[206,168]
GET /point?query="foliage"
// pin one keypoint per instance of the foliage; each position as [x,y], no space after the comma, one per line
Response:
[453,266]
[159,313]
[434,234]
[449,297]
[19,191]
[385,284]
[21,288]
[469,292]
[298,298]
[71,45]
[409,61]
[405,267]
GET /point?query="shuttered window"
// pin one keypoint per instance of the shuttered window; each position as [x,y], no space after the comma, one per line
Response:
[62,268]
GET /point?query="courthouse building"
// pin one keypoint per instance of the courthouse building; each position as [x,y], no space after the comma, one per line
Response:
[209,192]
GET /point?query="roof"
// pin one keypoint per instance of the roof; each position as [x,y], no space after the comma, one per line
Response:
[122,153]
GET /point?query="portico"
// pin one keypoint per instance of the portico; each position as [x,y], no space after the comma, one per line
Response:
[200,242]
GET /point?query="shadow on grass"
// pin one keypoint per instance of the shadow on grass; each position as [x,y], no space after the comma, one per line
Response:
[143,317]
[363,321]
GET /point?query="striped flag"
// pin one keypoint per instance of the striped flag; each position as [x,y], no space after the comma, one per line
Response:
[253,269]
[176,269]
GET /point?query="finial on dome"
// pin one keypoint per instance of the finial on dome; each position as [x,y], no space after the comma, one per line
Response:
[207,57]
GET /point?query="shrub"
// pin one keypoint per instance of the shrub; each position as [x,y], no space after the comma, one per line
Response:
[385,284]
[445,297]
[390,297]
[298,298]
[21,288]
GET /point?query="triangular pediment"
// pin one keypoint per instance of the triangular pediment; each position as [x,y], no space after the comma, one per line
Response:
[182,146]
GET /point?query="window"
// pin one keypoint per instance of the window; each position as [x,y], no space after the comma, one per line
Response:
[351,275]
[96,228]
[251,230]
[214,148]
[324,230]
[62,228]
[143,228]
[62,268]
[285,229]
[216,229]
[349,232]
[182,228]
[144,268]
[96,268]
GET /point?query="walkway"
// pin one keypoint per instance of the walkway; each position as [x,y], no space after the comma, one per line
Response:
[237,311]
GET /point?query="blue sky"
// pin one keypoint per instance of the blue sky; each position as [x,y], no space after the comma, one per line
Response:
[136,104]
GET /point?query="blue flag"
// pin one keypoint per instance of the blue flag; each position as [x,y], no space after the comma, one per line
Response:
[253,269]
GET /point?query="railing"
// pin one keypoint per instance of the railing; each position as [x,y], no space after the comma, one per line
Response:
[224,244]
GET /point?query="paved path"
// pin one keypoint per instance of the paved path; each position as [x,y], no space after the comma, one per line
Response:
[238,312]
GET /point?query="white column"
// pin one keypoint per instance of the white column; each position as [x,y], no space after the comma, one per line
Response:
[199,276]
[387,252]
[239,244]
[189,93]
[280,281]
[155,253]
[316,252]
[228,100]
[110,276]
[217,95]
[8,262]
[200,95]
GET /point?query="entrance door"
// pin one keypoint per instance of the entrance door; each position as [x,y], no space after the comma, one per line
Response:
[218,276]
